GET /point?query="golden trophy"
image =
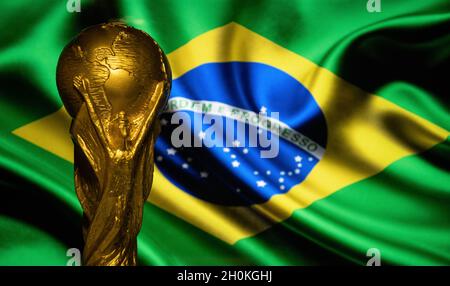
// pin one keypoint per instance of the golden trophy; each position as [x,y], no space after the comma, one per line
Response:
[114,81]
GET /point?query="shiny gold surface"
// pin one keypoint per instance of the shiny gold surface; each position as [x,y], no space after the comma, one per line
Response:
[113,80]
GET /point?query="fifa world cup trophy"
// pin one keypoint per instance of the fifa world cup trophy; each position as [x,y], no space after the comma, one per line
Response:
[114,81]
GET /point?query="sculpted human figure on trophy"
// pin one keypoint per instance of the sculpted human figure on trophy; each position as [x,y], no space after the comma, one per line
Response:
[114,80]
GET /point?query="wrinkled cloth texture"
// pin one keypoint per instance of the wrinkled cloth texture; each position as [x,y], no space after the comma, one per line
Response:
[401,54]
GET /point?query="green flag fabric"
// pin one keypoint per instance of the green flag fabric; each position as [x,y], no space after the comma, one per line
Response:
[380,79]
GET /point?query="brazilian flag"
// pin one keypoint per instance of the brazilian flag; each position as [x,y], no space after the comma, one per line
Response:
[362,165]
